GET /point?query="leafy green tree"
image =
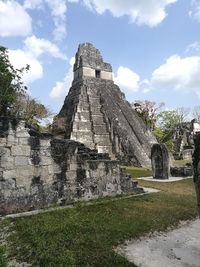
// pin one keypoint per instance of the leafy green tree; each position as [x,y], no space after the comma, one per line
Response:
[147,110]
[163,138]
[167,120]
[10,82]
[30,109]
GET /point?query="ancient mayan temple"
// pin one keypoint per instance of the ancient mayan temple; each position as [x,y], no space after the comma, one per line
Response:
[96,113]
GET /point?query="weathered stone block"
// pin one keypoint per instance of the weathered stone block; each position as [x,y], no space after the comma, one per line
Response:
[83,116]
[45,160]
[102,139]
[7,162]
[20,150]
[11,139]
[97,119]
[71,174]
[24,175]
[45,151]
[105,149]
[21,161]
[45,142]
[82,126]
[9,174]
[73,166]
[23,141]
[22,133]
[100,129]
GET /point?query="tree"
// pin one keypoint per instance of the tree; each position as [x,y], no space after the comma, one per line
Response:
[30,109]
[10,82]
[196,113]
[169,119]
[183,114]
[147,111]
[14,99]
[163,138]
[167,122]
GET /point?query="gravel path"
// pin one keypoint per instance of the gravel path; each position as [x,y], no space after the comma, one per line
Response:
[177,248]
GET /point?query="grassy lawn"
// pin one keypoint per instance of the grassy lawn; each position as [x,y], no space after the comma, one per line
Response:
[182,162]
[137,172]
[86,235]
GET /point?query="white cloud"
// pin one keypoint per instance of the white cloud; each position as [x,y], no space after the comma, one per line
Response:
[195,10]
[31,53]
[127,80]
[14,20]
[150,13]
[179,73]
[60,90]
[32,4]
[20,59]
[194,47]
[58,9]
[37,47]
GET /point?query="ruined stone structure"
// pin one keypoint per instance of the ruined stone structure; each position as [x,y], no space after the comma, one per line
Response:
[196,168]
[183,139]
[160,162]
[38,169]
[96,113]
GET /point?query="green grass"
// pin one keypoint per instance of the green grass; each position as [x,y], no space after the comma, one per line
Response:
[182,162]
[87,235]
[137,172]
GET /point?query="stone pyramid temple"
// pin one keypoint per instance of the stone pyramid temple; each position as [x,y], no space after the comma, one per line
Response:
[96,113]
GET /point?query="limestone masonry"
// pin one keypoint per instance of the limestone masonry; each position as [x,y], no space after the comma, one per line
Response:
[95,127]
[96,113]
[37,170]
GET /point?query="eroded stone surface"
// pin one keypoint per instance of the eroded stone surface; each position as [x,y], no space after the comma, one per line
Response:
[160,162]
[45,170]
[96,113]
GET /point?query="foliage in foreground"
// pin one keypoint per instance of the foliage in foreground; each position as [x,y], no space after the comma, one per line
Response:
[3,260]
[10,82]
[14,99]
[87,235]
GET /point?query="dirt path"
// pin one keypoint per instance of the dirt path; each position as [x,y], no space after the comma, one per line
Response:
[177,248]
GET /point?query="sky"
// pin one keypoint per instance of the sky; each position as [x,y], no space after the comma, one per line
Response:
[152,45]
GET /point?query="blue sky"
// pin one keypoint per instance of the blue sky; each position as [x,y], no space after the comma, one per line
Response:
[152,45]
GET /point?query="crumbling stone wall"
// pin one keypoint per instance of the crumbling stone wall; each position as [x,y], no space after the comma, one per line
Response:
[37,170]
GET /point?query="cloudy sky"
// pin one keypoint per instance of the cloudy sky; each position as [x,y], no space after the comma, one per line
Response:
[152,45]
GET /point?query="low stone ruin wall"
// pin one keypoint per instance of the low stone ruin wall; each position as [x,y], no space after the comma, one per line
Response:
[181,171]
[37,170]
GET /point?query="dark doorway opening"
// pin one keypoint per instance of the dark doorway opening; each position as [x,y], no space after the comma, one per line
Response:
[97,73]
